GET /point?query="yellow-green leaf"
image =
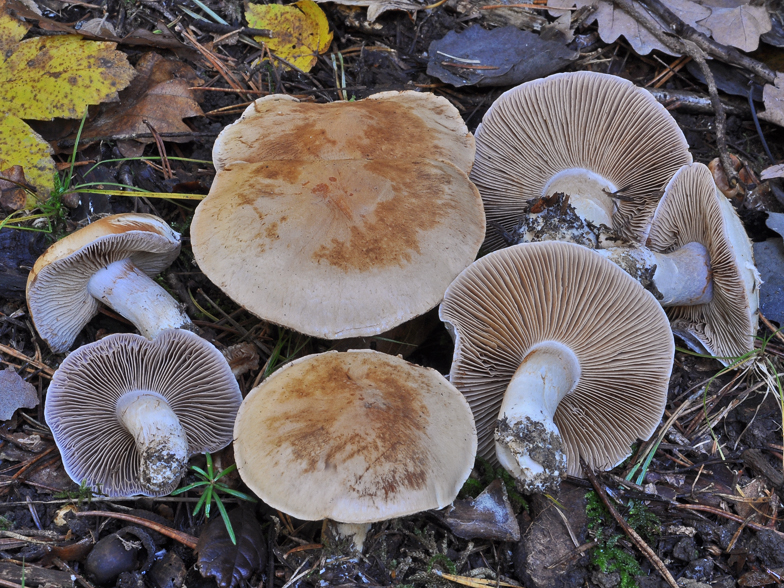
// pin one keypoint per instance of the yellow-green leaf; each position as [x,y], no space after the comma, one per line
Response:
[300,31]
[60,76]
[12,30]
[21,145]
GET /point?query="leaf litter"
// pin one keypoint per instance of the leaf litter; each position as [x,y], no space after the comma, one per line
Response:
[685,470]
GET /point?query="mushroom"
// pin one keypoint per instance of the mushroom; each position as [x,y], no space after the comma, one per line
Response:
[389,125]
[379,240]
[112,261]
[354,437]
[127,413]
[590,136]
[561,355]
[699,263]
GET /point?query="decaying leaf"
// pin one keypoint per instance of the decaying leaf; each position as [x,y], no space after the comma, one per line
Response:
[159,94]
[773,98]
[21,145]
[15,393]
[739,27]
[376,7]
[12,188]
[774,171]
[230,564]
[12,30]
[300,31]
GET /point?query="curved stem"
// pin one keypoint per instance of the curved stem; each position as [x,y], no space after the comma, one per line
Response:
[160,439]
[126,289]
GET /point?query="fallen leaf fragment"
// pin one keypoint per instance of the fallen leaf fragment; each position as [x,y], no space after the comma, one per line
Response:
[159,94]
[12,193]
[774,171]
[15,393]
[300,31]
[20,145]
[12,29]
[773,98]
[60,76]
[377,7]
[739,27]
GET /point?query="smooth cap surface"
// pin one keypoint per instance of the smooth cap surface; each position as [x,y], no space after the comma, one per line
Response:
[81,402]
[692,210]
[587,121]
[355,437]
[338,249]
[389,125]
[57,293]
[510,300]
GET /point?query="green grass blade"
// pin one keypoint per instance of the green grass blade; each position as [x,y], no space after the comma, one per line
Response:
[226,521]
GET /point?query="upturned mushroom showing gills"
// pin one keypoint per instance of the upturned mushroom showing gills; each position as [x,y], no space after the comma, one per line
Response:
[561,355]
[354,437]
[699,264]
[590,136]
[110,261]
[127,413]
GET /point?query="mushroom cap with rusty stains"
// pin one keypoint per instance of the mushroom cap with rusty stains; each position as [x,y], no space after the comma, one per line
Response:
[584,134]
[57,294]
[388,125]
[337,249]
[693,210]
[514,300]
[355,437]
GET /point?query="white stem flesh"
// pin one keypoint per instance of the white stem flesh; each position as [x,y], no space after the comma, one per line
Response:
[159,436]
[586,194]
[681,278]
[129,291]
[527,441]
[356,532]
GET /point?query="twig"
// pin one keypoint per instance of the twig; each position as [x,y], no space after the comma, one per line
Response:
[184,538]
[727,515]
[638,541]
[212,27]
[167,170]
[14,353]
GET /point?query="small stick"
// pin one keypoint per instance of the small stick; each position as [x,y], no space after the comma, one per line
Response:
[167,171]
[14,353]
[727,515]
[631,533]
[184,538]
[533,6]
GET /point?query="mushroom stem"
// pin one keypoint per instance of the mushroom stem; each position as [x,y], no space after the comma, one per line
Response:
[159,436]
[354,532]
[132,293]
[588,194]
[679,278]
[527,442]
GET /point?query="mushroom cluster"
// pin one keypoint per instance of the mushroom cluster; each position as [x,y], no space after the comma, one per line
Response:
[367,203]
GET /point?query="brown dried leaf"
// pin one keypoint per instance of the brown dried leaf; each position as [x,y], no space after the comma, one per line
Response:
[739,27]
[15,393]
[159,95]
[12,194]
[773,97]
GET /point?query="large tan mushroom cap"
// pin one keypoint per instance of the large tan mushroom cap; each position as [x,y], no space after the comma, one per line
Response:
[338,249]
[57,295]
[389,125]
[585,121]
[510,300]
[692,210]
[355,437]
[187,371]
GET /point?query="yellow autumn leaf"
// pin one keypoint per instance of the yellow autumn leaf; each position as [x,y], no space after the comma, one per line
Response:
[20,145]
[61,76]
[300,31]
[12,30]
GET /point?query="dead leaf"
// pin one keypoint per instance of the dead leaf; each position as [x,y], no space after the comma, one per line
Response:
[219,558]
[761,577]
[300,31]
[12,193]
[12,29]
[20,145]
[773,98]
[738,27]
[15,393]
[774,171]
[377,7]
[159,94]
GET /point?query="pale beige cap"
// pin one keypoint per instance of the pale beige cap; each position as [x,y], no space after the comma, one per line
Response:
[338,249]
[355,437]
[57,295]
[692,210]
[389,125]
[510,300]
[595,129]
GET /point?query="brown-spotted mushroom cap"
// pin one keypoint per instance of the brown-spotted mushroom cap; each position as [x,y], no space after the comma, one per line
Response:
[579,133]
[355,437]
[126,412]
[389,125]
[692,210]
[377,241]
[130,246]
[562,299]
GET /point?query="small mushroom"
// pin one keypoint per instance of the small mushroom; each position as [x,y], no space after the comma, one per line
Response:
[112,261]
[354,437]
[389,125]
[597,138]
[379,240]
[561,355]
[127,413]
